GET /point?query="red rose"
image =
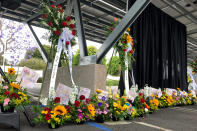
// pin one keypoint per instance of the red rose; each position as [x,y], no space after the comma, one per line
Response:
[82,97]
[47,109]
[67,108]
[57,100]
[44,16]
[74,32]
[131,51]
[124,50]
[77,103]
[57,32]
[59,6]
[166,97]
[64,23]
[47,117]
[72,26]
[88,100]
[12,95]
[140,94]
[50,23]
[16,96]
[52,6]
[7,93]
[67,42]
[111,28]
[123,42]
[142,100]
[68,18]
[62,10]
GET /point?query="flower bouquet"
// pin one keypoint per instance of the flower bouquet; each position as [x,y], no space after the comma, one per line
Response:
[153,102]
[83,110]
[141,105]
[12,95]
[54,114]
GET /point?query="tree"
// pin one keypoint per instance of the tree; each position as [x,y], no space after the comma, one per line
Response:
[113,66]
[35,53]
[33,63]
[14,40]
[91,51]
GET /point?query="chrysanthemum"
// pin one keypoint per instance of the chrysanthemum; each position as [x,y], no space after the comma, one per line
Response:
[60,110]
[91,109]
[11,71]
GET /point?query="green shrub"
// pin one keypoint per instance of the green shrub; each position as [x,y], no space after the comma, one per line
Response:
[114,68]
[33,63]
[112,82]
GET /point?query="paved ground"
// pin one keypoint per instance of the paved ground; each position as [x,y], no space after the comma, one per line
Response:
[171,119]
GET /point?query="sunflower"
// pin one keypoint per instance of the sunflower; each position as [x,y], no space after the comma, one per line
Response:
[14,85]
[60,110]
[11,71]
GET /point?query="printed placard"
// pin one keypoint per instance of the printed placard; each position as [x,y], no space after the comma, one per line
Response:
[63,92]
[28,78]
[85,92]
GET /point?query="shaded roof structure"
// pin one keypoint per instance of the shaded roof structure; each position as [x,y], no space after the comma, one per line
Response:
[97,14]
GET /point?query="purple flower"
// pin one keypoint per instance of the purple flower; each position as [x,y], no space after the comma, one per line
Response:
[80,115]
[100,104]
[103,98]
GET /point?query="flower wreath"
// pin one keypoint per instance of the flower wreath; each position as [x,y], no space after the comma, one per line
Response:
[124,45]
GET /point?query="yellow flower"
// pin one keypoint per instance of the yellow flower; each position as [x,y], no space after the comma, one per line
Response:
[98,91]
[49,121]
[189,95]
[11,71]
[52,112]
[91,109]
[44,112]
[124,97]
[57,119]
[116,96]
[178,89]
[67,117]
[129,39]
[118,112]
[17,102]
[60,110]
[14,85]
[115,104]
[19,92]
[128,29]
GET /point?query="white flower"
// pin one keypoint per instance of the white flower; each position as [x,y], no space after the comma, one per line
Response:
[146,110]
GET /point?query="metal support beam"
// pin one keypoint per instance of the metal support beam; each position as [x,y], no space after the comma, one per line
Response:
[127,20]
[40,47]
[80,30]
[192,32]
[180,9]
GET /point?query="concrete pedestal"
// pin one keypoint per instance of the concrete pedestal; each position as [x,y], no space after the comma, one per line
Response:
[88,76]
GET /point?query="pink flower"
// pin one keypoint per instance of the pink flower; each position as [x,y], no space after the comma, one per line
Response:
[6,101]
[107,105]
[105,112]
[5,87]
[80,115]
[79,110]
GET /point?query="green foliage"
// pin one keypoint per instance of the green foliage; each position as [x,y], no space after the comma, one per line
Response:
[112,82]
[113,66]
[33,63]
[91,51]
[40,80]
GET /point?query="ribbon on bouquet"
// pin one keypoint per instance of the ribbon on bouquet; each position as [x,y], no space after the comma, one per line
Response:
[66,35]
[126,74]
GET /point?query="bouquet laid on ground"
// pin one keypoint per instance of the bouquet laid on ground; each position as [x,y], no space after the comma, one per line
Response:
[12,95]
[106,106]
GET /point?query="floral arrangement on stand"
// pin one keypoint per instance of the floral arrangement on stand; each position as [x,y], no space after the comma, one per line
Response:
[12,95]
[193,64]
[54,19]
[124,46]
[104,106]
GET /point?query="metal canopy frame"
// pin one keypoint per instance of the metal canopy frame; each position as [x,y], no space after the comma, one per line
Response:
[96,14]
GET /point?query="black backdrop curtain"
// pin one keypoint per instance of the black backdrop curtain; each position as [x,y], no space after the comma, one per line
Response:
[161,51]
